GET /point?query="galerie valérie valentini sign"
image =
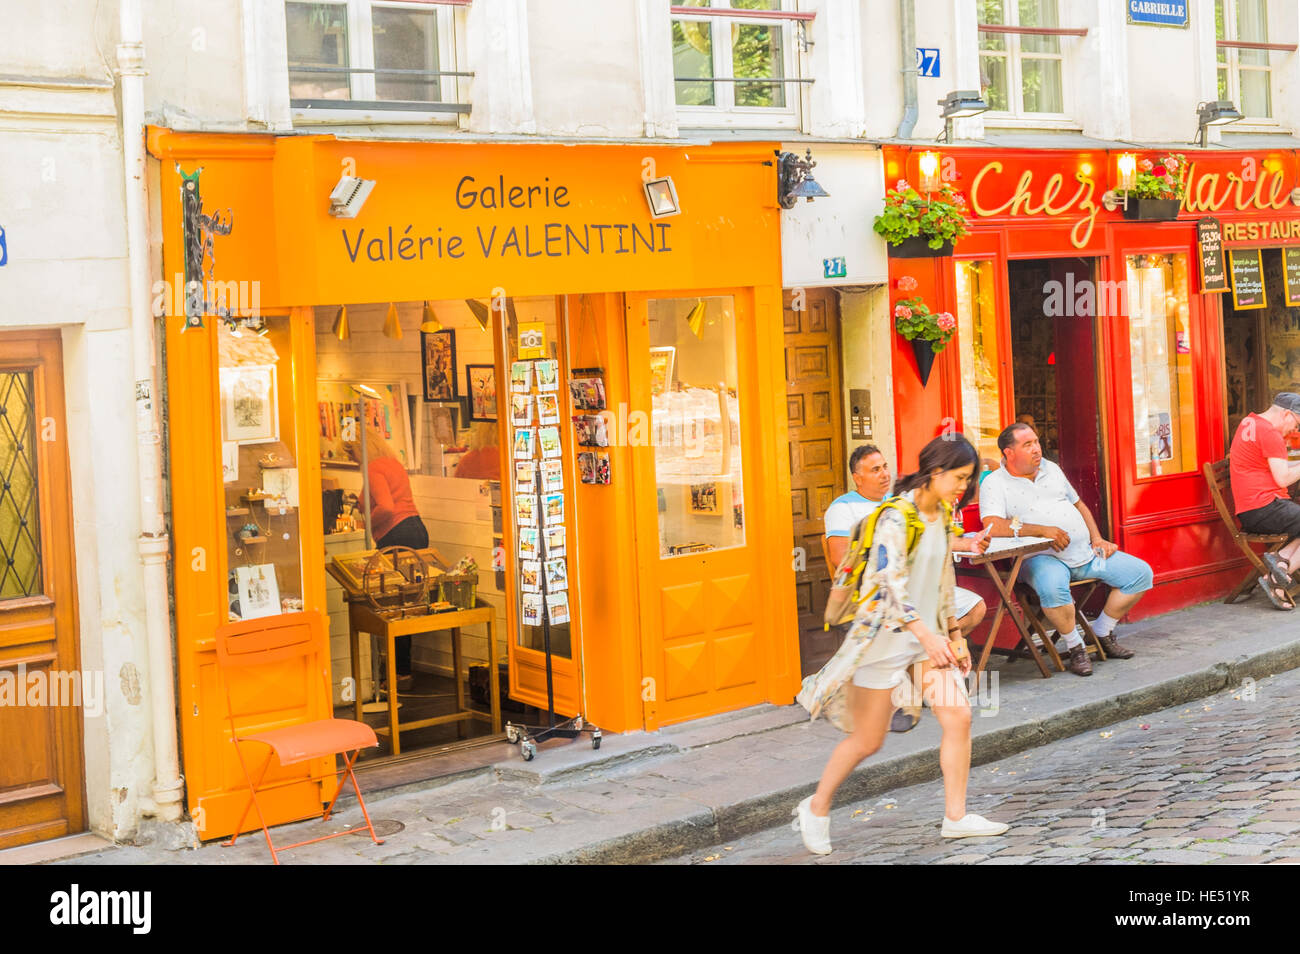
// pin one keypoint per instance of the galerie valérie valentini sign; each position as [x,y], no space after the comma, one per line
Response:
[457,220]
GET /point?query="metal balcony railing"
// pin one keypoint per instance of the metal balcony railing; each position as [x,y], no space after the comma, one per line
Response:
[415,105]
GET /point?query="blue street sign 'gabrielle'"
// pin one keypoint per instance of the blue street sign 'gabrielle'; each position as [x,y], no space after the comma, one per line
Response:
[1158,12]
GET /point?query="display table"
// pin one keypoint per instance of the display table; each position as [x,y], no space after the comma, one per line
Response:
[1015,550]
[362,618]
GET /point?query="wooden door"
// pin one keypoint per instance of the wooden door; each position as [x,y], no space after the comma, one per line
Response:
[41,770]
[815,416]
[708,620]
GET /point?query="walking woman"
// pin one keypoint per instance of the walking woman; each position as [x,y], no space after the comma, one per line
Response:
[906,609]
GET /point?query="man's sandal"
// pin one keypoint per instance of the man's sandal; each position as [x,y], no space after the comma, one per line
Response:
[1277,570]
[1283,602]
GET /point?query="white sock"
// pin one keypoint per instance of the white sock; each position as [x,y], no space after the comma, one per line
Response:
[1073,639]
[1104,625]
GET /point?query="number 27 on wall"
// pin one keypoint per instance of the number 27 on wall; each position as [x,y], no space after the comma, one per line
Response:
[927,61]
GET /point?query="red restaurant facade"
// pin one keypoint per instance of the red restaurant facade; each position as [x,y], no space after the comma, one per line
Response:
[1095,325]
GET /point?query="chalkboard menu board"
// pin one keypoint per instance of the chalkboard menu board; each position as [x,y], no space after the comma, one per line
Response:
[1214,274]
[1291,265]
[1247,267]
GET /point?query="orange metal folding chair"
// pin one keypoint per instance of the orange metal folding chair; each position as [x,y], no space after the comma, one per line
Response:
[272,640]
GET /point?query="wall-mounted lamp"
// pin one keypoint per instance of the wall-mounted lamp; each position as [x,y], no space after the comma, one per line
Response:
[1215,113]
[430,322]
[349,196]
[341,329]
[661,196]
[1125,181]
[794,179]
[929,168]
[960,104]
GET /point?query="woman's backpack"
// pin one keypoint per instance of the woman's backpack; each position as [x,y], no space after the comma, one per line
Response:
[842,604]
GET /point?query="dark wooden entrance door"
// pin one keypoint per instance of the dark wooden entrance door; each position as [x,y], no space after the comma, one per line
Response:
[41,769]
[815,415]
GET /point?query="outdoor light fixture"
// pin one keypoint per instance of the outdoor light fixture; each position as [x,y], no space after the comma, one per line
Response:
[1126,179]
[349,196]
[341,329]
[1215,113]
[430,323]
[392,327]
[960,104]
[661,195]
[929,166]
[794,179]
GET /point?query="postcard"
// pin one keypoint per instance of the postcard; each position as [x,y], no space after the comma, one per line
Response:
[548,409]
[521,410]
[552,475]
[521,376]
[530,575]
[524,444]
[533,608]
[525,476]
[549,439]
[555,541]
[528,543]
[557,575]
[553,508]
[557,604]
[548,375]
[525,510]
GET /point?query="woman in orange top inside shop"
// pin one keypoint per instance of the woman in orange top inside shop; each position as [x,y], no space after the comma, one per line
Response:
[394,521]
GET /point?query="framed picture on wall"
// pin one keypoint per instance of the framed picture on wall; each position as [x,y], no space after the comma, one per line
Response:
[481,379]
[438,361]
[248,404]
[388,416]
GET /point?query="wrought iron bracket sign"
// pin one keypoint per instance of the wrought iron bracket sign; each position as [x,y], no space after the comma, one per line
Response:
[199,228]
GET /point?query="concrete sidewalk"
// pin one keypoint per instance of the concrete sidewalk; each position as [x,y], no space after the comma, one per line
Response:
[647,796]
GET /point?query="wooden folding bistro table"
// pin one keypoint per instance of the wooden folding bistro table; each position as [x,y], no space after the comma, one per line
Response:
[1014,549]
[362,618]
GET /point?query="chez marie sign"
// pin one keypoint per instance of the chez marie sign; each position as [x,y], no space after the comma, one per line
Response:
[1068,190]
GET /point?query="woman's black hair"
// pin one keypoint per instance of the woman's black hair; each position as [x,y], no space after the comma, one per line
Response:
[946,452]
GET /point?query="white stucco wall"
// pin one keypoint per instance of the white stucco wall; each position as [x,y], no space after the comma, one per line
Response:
[839,225]
[62,208]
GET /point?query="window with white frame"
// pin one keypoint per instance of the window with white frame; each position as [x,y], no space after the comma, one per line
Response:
[736,60]
[1245,76]
[1020,70]
[350,54]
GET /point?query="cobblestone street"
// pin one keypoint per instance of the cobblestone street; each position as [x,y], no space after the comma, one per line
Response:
[1212,782]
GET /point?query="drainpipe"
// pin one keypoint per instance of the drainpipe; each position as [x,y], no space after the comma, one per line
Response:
[907,23]
[153,542]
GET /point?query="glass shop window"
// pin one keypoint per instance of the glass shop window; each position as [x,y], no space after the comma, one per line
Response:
[1164,402]
[695,427]
[978,347]
[259,463]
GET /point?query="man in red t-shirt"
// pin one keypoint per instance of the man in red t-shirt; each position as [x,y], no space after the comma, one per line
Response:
[1261,473]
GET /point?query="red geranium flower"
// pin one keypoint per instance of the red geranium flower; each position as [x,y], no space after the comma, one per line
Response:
[1158,170]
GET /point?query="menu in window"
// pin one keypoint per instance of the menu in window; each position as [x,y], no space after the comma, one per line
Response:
[1247,268]
[1291,267]
[1214,276]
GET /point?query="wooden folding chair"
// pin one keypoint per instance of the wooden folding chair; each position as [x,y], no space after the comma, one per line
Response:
[275,639]
[1028,597]
[1217,476]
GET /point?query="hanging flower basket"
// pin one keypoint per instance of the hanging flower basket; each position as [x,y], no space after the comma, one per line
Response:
[1158,189]
[1152,210]
[918,246]
[921,226]
[929,333]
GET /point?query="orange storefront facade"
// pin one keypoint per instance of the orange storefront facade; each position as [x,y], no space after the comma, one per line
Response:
[678,567]
[1095,324]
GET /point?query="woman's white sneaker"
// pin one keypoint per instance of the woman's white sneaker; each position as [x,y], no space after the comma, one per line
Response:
[972,826]
[815,829]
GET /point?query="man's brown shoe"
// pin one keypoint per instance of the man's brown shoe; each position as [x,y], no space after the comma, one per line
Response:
[1079,663]
[1113,649]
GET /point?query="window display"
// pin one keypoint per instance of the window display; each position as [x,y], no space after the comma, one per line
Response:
[259,467]
[980,356]
[695,427]
[1164,409]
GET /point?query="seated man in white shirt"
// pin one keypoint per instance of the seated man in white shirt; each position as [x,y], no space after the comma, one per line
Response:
[1029,496]
[872,481]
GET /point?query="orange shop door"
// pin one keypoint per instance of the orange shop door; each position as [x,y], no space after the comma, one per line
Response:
[41,770]
[712,611]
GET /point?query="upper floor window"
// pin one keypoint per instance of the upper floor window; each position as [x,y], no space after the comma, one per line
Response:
[1244,74]
[360,54]
[736,58]
[1020,57]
